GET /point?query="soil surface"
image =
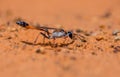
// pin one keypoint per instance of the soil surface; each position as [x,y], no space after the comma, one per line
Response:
[95,55]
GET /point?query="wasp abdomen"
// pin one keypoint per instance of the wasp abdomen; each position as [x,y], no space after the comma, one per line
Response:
[22,23]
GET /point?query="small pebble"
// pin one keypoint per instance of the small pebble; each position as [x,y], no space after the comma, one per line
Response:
[111,46]
[93,53]
[99,38]
[115,32]
[40,50]
[9,37]
[117,38]
[102,26]
[12,29]
[79,30]
[116,49]
[83,40]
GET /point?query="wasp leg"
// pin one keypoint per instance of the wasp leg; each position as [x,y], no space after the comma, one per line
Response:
[54,43]
[36,38]
[43,40]
[65,38]
[45,36]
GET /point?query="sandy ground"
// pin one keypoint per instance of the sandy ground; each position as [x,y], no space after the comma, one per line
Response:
[99,56]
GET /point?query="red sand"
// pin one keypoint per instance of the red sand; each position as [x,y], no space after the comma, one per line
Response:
[98,57]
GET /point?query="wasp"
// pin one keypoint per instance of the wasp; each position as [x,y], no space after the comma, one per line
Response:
[56,33]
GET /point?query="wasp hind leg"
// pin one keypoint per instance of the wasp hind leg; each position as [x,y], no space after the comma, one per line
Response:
[36,38]
[54,43]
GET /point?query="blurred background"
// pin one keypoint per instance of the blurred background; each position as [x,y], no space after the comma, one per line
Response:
[65,12]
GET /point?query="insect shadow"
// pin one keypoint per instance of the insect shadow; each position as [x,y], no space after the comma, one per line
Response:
[49,44]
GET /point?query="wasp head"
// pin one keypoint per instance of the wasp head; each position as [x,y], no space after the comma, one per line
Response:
[70,34]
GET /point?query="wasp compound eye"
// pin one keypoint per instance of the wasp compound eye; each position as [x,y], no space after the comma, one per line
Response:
[22,23]
[70,34]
